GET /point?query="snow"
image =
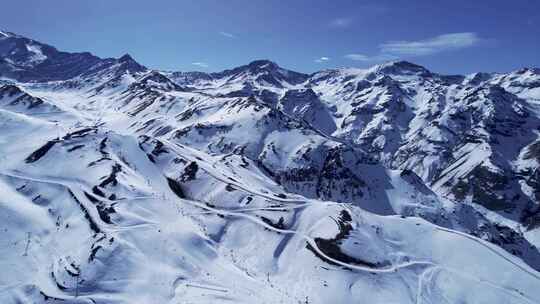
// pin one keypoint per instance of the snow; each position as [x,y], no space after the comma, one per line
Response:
[123,187]
[38,55]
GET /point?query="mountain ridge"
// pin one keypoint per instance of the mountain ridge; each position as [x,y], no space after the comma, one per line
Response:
[258,62]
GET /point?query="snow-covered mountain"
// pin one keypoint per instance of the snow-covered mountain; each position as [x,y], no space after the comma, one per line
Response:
[394,184]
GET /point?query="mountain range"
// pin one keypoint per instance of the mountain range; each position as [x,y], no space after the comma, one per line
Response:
[392,184]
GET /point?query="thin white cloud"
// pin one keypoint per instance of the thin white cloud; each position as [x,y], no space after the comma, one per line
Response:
[227,34]
[433,45]
[200,64]
[357,57]
[322,59]
[341,22]
[366,58]
[392,50]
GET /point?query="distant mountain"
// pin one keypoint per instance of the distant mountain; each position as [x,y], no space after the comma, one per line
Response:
[393,184]
[26,60]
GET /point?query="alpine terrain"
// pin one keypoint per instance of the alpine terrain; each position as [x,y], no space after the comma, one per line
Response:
[393,184]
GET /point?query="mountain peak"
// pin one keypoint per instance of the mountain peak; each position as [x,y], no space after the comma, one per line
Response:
[263,64]
[154,75]
[126,58]
[5,34]
[401,67]
[532,70]
[263,71]
[155,79]
[477,78]
[131,64]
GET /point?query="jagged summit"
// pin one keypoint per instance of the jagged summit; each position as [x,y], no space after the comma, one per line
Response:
[401,67]
[131,64]
[256,66]
[4,34]
[263,72]
[10,89]
[126,58]
[156,80]
[477,78]
[260,71]
[533,70]
[8,34]
[263,64]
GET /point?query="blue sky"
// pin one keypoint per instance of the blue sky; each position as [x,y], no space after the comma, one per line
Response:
[306,35]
